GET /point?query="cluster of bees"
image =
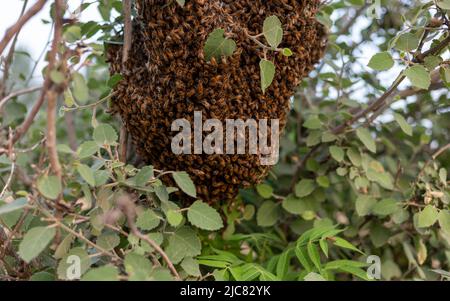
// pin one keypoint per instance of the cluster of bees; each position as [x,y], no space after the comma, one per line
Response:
[167,77]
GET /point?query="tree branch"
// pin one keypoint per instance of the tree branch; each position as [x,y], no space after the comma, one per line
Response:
[11,32]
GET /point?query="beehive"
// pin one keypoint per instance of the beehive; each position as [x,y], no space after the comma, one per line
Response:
[167,77]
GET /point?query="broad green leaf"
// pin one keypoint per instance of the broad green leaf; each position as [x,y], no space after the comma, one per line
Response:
[104,134]
[264,190]
[147,220]
[444,220]
[217,45]
[87,149]
[185,183]
[304,188]
[183,243]
[272,31]
[104,273]
[80,88]
[49,186]
[143,176]
[419,76]
[13,206]
[294,205]
[337,153]
[407,42]
[137,267]
[267,69]
[364,205]
[108,240]
[427,217]
[34,242]
[366,138]
[174,218]
[381,61]
[86,173]
[204,216]
[191,266]
[181,2]
[268,214]
[385,207]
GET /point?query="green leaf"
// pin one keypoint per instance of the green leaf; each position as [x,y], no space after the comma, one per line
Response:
[355,156]
[323,181]
[272,31]
[104,134]
[137,267]
[143,176]
[419,76]
[364,204]
[304,188]
[268,214]
[49,186]
[444,220]
[337,153]
[108,240]
[385,207]
[204,217]
[183,243]
[342,243]
[313,123]
[381,61]
[13,206]
[174,218]
[104,273]
[313,253]
[217,45]
[267,69]
[407,42]
[404,125]
[302,256]
[86,173]
[264,190]
[87,149]
[427,217]
[185,183]
[80,88]
[191,266]
[147,220]
[366,138]
[294,205]
[35,241]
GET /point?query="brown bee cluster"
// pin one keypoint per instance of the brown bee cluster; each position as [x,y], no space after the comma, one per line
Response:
[167,77]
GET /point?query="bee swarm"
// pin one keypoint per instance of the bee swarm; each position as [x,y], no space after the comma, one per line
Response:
[167,77]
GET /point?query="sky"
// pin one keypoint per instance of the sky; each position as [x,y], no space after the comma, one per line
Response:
[35,34]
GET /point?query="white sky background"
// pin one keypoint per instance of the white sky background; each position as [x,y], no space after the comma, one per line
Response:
[35,34]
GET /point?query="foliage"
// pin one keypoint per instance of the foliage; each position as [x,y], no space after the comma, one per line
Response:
[363,167]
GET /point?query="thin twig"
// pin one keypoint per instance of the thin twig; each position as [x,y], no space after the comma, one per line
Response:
[11,32]
[17,93]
